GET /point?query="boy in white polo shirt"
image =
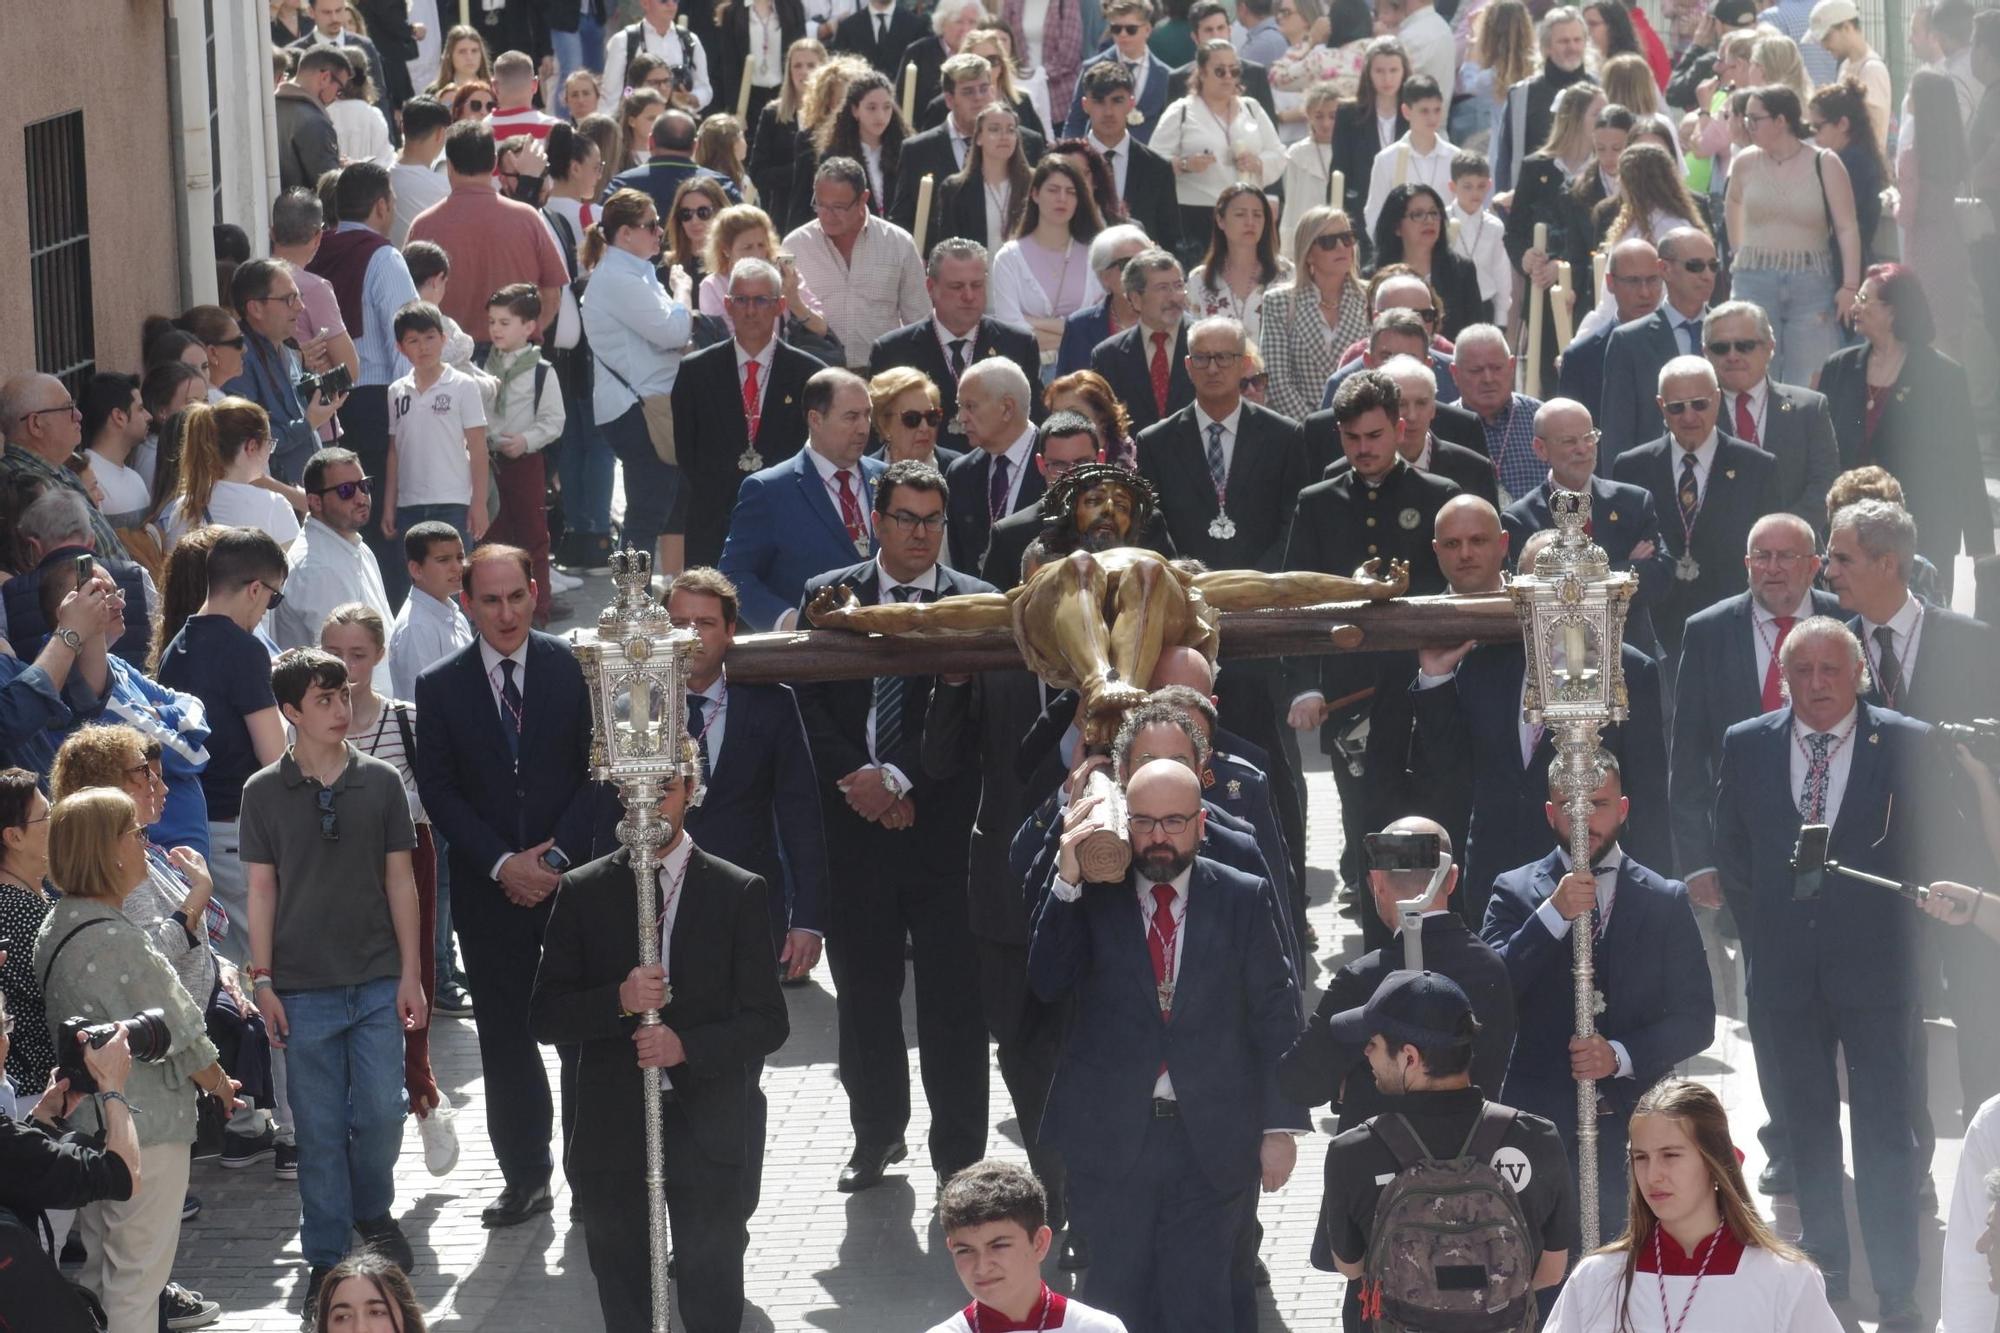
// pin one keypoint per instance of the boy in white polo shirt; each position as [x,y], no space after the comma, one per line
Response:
[437,435]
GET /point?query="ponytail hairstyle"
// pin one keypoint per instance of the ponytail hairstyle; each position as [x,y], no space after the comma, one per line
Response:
[211,439]
[623,209]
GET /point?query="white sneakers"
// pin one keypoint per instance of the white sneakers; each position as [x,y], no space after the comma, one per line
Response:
[561,582]
[440,1135]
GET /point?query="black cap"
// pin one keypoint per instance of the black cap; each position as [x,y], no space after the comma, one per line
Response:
[1411,1009]
[1735,13]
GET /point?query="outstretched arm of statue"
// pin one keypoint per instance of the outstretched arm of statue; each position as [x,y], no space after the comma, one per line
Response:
[836,608]
[1250,590]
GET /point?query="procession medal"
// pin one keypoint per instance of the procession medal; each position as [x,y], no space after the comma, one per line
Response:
[1222,527]
[1166,990]
[749,460]
[1686,570]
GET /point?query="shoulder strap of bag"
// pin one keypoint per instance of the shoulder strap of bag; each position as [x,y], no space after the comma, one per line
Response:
[1400,1139]
[61,944]
[1488,1131]
[403,727]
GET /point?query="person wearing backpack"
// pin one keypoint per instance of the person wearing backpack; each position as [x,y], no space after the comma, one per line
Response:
[1502,1174]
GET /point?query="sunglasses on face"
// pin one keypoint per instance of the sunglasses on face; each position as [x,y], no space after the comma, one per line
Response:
[1680,405]
[347,490]
[1226,71]
[1740,346]
[651,224]
[698,213]
[277,597]
[913,419]
[235,343]
[1251,383]
[1422,215]
[1333,240]
[477,105]
[1126,29]
[1701,265]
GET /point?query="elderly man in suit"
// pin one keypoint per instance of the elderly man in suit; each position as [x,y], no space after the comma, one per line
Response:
[1112,118]
[1062,442]
[1146,365]
[1468,469]
[1709,490]
[1833,963]
[1791,424]
[1730,672]
[1130,23]
[1637,289]
[1659,1008]
[737,407]
[503,762]
[897,838]
[810,513]
[1636,351]
[958,333]
[1165,1100]
[724,1016]
[997,476]
[1622,518]
[1091,325]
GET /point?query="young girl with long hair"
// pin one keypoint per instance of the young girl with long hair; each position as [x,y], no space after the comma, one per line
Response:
[776,127]
[637,111]
[984,201]
[868,128]
[465,59]
[225,455]
[1652,200]
[1042,276]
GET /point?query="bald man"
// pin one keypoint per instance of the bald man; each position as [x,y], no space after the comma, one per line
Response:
[1636,292]
[1168,1127]
[42,426]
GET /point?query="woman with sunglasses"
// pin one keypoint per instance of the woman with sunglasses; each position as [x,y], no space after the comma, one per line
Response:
[1215,137]
[473,101]
[1797,236]
[904,406]
[697,203]
[225,461]
[1308,321]
[1411,231]
[221,338]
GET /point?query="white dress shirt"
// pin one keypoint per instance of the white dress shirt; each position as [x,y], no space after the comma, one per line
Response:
[928,582]
[1840,760]
[1163,1086]
[667,46]
[945,339]
[1401,163]
[1760,407]
[1203,421]
[1426,36]
[1120,157]
[326,570]
[426,632]
[1558,928]
[1906,629]
[672,879]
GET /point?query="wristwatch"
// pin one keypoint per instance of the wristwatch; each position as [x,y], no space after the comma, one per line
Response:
[71,639]
[897,788]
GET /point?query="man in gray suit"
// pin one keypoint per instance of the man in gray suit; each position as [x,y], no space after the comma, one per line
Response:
[1791,424]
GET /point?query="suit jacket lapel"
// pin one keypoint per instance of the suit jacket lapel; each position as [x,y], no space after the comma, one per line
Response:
[814,492]
[479,688]
[1199,926]
[1858,801]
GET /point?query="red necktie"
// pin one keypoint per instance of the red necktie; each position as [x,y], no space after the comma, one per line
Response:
[1160,943]
[850,512]
[1160,371]
[583,212]
[1774,697]
[1746,425]
[751,399]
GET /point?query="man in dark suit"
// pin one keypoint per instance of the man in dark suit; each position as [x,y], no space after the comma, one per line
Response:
[878,33]
[737,408]
[1208,20]
[1636,352]
[1090,325]
[1622,518]
[1833,962]
[503,761]
[897,841]
[1130,24]
[958,335]
[1931,663]
[809,514]
[1791,424]
[1146,365]
[997,476]
[1730,672]
[1638,289]
[1708,489]
[1652,971]
[671,164]
[1402,330]
[1118,128]
[1063,441]
[725,1015]
[1165,1101]
[1420,445]
[938,152]
[330,29]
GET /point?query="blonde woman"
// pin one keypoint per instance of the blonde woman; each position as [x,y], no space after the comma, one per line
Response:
[1503,53]
[743,231]
[1309,162]
[1628,82]
[904,406]
[1775,58]
[465,59]
[819,108]
[1308,322]
[225,463]
[775,129]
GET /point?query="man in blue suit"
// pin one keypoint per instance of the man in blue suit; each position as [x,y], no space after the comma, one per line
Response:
[1636,352]
[1651,968]
[503,759]
[1636,288]
[1165,1100]
[1832,962]
[810,513]
[1130,23]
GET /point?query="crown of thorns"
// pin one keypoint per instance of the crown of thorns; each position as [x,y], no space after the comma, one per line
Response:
[1059,504]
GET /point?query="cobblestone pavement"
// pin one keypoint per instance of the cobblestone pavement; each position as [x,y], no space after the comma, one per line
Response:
[867,1263]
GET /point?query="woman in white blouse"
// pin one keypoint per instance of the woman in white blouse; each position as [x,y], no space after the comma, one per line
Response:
[1241,262]
[1042,276]
[225,474]
[358,123]
[1696,1254]
[1216,137]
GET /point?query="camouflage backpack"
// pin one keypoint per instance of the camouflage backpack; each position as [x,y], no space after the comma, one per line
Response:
[1450,1251]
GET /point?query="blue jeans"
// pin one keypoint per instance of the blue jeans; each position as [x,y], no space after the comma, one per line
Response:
[650,485]
[1803,316]
[345,1067]
[582,49]
[408,516]
[447,967]
[585,464]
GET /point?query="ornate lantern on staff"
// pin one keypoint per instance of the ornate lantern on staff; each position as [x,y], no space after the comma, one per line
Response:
[1572,610]
[636,667]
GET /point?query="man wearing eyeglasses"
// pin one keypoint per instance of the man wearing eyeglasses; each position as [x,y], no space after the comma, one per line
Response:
[1636,351]
[267,294]
[330,564]
[862,266]
[308,147]
[896,841]
[42,427]
[1790,423]
[737,407]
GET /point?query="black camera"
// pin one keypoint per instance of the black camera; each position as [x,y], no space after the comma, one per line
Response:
[146,1031]
[329,384]
[1981,736]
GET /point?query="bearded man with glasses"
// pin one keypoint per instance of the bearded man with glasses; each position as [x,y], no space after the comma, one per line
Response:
[330,564]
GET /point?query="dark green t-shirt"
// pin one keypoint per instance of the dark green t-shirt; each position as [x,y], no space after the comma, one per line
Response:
[333,925]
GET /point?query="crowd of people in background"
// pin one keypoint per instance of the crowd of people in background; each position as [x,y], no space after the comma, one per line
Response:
[833,303]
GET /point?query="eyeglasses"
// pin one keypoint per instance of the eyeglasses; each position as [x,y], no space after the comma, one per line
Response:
[277,597]
[1740,346]
[652,225]
[1756,117]
[1589,437]
[751,302]
[292,299]
[142,772]
[70,408]
[823,206]
[1680,405]
[1226,71]
[1785,559]
[1333,240]
[329,818]
[1251,383]
[476,105]
[658,80]
[1220,360]
[1126,29]
[697,213]
[236,342]
[347,490]
[1422,215]
[1147,825]
[1701,265]
[911,420]
[906,522]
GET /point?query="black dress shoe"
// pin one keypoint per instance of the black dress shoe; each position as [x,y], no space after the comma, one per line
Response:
[864,1169]
[1075,1255]
[515,1206]
[1775,1178]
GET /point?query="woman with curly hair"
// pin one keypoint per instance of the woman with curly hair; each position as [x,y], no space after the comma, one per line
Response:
[820,105]
[1087,392]
[868,128]
[903,406]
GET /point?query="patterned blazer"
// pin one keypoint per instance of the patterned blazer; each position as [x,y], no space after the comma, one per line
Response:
[1297,353]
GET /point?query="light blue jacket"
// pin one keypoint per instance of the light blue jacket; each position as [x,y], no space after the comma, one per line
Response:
[637,333]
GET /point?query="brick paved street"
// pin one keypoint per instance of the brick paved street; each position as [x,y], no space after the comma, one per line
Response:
[869,1263]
